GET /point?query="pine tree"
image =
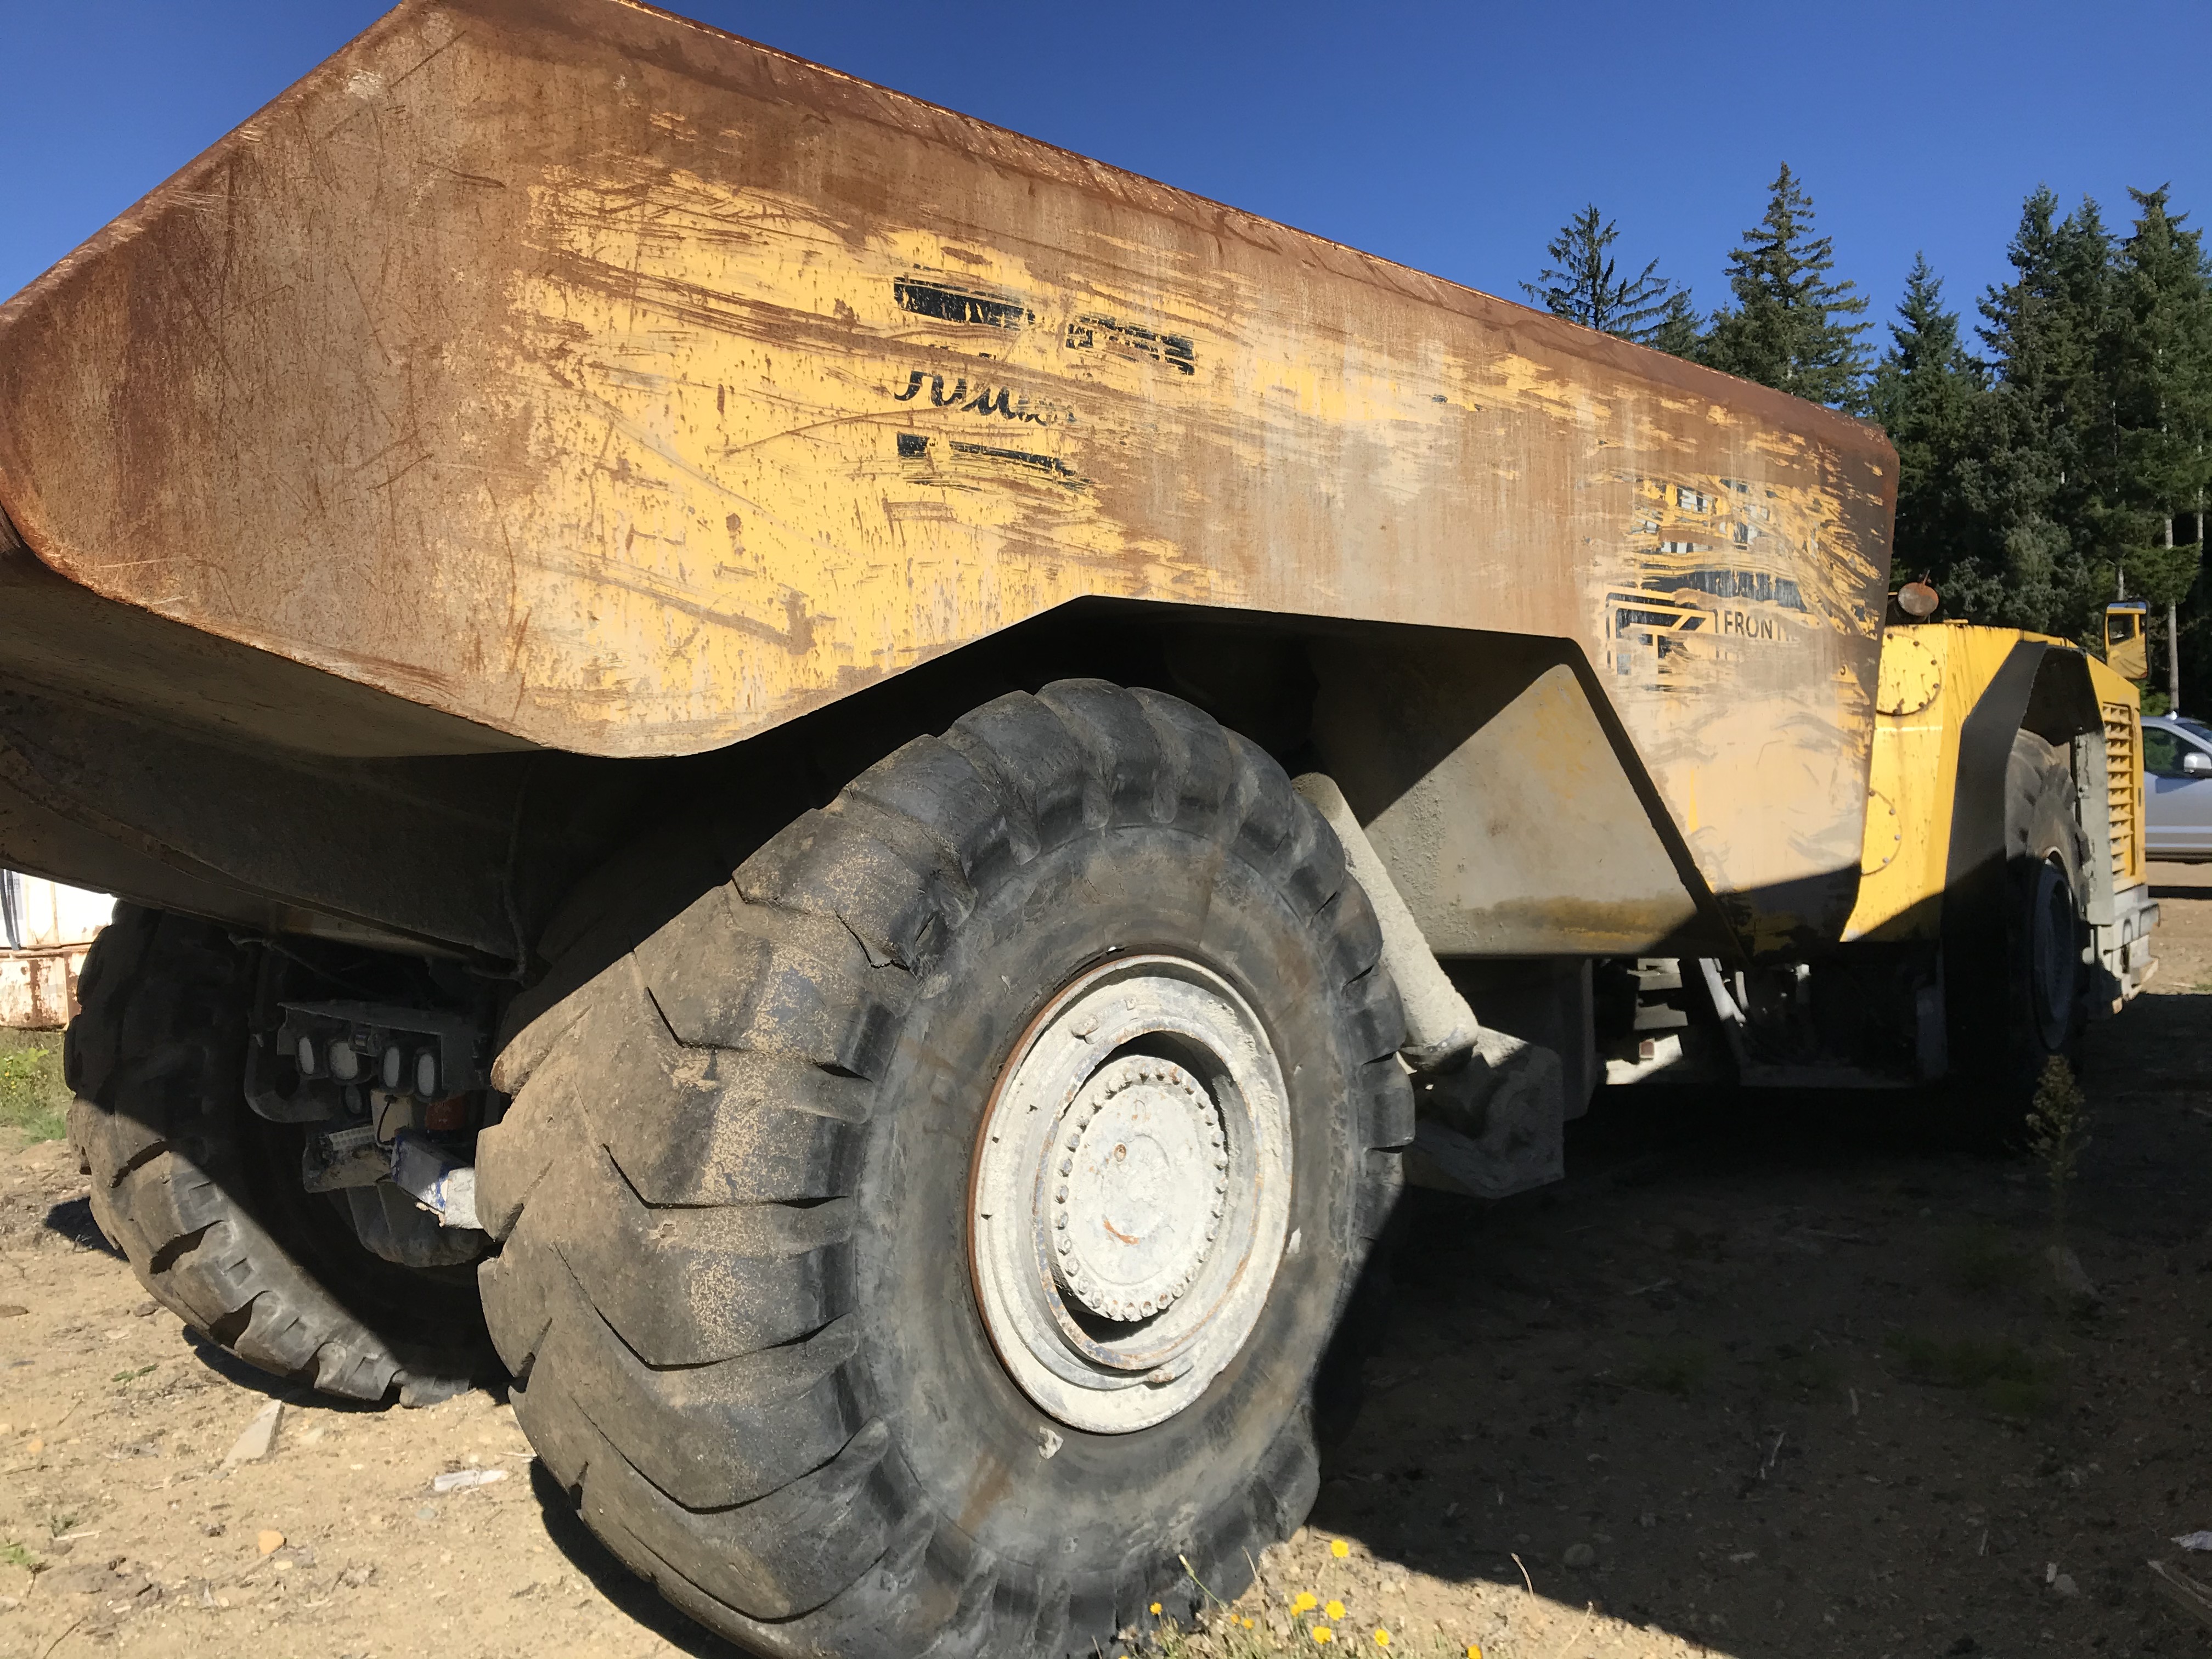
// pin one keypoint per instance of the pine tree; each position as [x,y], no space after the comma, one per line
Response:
[1680,331]
[2091,492]
[2159,359]
[1583,283]
[1924,392]
[1792,323]
[2041,451]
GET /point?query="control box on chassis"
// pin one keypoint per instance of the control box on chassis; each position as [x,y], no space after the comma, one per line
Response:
[842,786]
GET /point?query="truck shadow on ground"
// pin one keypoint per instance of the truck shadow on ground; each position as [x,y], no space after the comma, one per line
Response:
[1794,1370]
[636,1598]
[72,1219]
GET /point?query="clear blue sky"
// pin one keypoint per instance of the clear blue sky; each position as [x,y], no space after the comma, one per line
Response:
[1454,137]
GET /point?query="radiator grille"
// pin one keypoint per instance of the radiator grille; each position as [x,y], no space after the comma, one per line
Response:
[2124,790]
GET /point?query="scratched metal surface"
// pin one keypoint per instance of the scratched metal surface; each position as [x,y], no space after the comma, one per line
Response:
[630,388]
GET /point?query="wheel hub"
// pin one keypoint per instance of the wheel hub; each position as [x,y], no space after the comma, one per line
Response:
[1141,1187]
[1131,1192]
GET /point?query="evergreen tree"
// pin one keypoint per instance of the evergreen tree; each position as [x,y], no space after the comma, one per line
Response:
[1680,331]
[2041,452]
[2159,359]
[1583,285]
[1792,325]
[1924,392]
[2091,492]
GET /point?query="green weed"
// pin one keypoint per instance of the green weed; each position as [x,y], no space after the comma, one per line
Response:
[1787,1368]
[1243,1635]
[15,1555]
[1321,1619]
[1981,1262]
[33,1096]
[1675,1368]
[2058,1132]
[2000,1373]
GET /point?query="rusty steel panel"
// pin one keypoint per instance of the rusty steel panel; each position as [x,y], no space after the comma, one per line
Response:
[625,387]
[1489,788]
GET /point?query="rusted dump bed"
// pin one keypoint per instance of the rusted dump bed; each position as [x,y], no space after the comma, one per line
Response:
[620,386]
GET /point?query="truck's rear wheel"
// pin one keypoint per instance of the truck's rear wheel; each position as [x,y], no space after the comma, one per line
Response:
[783,1191]
[2046,924]
[204,1198]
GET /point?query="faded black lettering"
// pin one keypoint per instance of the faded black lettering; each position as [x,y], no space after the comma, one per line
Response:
[950,303]
[1133,340]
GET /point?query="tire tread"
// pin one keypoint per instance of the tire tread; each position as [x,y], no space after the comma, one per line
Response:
[671,1185]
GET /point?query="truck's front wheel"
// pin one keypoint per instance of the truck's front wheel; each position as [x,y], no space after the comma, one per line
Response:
[929,1240]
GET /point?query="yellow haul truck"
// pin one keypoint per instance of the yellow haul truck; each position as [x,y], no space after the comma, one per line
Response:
[2002,901]
[860,781]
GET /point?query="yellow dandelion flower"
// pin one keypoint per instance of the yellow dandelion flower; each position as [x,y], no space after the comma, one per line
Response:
[1475,1650]
[1334,1610]
[1339,1548]
[1156,1607]
[1382,1637]
[1323,1634]
[1306,1602]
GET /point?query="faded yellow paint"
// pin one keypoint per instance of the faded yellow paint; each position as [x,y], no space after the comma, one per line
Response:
[2127,639]
[626,388]
[2121,706]
[1932,676]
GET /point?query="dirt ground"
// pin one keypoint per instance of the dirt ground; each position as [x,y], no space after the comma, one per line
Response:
[1770,1378]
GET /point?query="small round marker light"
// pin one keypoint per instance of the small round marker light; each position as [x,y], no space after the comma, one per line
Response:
[1917,599]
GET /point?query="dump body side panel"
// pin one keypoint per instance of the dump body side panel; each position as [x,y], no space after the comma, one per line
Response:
[617,385]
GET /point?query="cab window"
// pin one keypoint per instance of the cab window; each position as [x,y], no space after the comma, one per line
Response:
[2162,753]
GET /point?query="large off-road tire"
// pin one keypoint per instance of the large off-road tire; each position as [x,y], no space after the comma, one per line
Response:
[737,1289]
[2047,923]
[204,1198]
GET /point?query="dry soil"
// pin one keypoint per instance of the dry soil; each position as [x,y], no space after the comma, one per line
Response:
[1772,1377]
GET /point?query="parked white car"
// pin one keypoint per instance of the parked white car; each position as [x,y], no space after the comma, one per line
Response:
[2177,787]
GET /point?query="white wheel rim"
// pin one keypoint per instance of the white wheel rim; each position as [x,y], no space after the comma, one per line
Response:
[1130,1193]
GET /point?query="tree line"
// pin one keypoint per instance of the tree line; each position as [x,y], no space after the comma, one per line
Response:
[2055,459]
